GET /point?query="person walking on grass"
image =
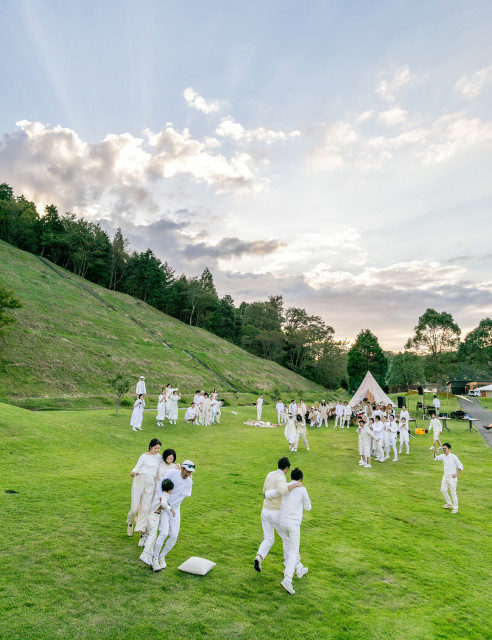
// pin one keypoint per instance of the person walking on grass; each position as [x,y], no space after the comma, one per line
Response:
[158,519]
[161,409]
[452,469]
[183,485]
[347,415]
[436,428]
[140,388]
[290,432]
[301,431]
[279,407]
[404,435]
[137,413]
[143,475]
[339,413]
[437,404]
[366,437]
[270,513]
[291,511]
[172,403]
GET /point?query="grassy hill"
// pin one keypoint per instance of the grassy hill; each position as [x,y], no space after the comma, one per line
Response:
[71,335]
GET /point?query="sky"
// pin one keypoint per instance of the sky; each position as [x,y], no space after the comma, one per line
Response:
[337,153]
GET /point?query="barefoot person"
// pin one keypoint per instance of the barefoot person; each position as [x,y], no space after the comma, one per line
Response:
[270,514]
[452,469]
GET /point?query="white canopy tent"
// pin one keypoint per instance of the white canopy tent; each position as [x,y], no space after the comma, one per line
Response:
[371,390]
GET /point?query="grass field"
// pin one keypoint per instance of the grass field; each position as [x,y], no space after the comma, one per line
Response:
[385,560]
[66,344]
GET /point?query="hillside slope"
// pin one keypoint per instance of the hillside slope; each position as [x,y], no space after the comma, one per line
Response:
[71,335]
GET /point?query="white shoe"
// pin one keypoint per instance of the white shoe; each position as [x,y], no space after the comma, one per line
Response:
[258,562]
[447,506]
[162,561]
[129,530]
[301,572]
[439,448]
[141,542]
[146,558]
[287,585]
[307,448]
[395,459]
[368,466]
[156,565]
[361,462]
[431,448]
[454,511]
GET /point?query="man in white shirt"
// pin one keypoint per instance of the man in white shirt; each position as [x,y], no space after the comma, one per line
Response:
[452,469]
[436,428]
[339,411]
[280,411]
[293,408]
[183,485]
[270,513]
[197,398]
[205,410]
[301,408]
[140,386]
[437,404]
[291,512]
[404,414]
[190,415]
[347,415]
[259,407]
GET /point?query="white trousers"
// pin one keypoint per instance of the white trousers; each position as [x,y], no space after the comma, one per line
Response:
[325,420]
[293,558]
[450,483]
[168,528]
[390,443]
[258,413]
[304,439]
[404,439]
[156,522]
[346,421]
[141,498]
[270,521]
[338,418]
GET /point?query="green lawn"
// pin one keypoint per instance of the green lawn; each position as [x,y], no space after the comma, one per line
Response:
[385,560]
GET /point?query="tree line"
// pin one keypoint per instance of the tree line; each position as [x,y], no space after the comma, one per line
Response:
[289,336]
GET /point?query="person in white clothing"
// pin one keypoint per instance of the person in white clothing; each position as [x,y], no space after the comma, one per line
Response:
[259,407]
[161,408]
[452,469]
[169,391]
[173,406]
[213,407]
[404,435]
[323,413]
[301,432]
[377,443]
[291,512]
[143,475]
[392,431]
[339,413]
[137,413]
[437,404]
[293,408]
[218,412]
[301,408]
[366,436]
[197,398]
[190,414]
[290,432]
[205,411]
[347,415]
[158,519]
[405,414]
[270,513]
[436,428]
[279,407]
[183,485]
[141,386]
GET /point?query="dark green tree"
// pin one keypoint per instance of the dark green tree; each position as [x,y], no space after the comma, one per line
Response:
[476,349]
[406,371]
[120,384]
[366,355]
[8,301]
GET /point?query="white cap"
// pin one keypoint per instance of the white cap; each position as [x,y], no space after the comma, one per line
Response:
[188,465]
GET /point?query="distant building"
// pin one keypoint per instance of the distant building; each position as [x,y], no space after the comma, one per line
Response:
[462,387]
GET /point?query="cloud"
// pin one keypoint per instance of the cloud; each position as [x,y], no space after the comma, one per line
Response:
[232,248]
[387,89]
[194,100]
[229,128]
[393,116]
[471,86]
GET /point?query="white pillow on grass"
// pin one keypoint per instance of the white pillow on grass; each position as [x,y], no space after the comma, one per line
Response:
[198,566]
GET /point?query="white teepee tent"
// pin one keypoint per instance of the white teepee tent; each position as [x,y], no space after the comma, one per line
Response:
[371,390]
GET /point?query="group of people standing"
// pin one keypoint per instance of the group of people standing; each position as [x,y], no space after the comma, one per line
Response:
[314,415]
[204,410]
[378,432]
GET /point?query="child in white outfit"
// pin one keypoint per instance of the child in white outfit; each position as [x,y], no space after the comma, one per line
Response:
[158,520]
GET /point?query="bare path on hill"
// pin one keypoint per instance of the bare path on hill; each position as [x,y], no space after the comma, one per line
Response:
[473,408]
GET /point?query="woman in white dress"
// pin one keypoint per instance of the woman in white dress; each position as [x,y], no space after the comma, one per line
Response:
[173,407]
[290,431]
[143,475]
[161,408]
[137,415]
